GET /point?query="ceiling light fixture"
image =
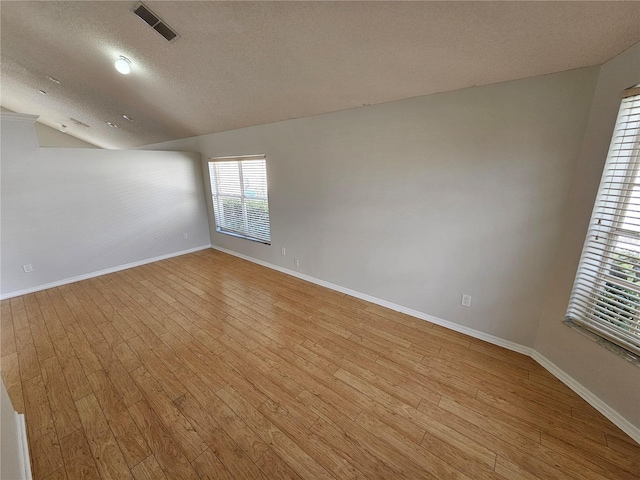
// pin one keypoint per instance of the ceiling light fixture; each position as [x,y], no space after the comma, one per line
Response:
[123,65]
[42,92]
[112,125]
[62,128]
[127,117]
[53,79]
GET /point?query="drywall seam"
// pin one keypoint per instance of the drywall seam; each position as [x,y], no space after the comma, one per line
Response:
[393,306]
[23,446]
[86,276]
[590,398]
[574,385]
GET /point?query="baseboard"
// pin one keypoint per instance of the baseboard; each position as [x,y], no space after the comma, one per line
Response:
[23,446]
[100,272]
[615,418]
[393,306]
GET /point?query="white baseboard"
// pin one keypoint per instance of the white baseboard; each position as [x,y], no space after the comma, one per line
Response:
[23,446]
[393,306]
[617,419]
[86,276]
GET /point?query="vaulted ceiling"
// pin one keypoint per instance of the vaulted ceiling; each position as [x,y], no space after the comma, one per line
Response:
[237,64]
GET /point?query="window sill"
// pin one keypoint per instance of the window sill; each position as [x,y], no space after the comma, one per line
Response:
[612,347]
[239,235]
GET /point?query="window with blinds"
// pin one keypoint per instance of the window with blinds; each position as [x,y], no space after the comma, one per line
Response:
[239,195]
[606,293]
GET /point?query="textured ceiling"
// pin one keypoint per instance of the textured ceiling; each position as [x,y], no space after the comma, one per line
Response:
[242,63]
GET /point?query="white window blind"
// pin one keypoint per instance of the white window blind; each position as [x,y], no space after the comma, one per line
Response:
[239,195]
[606,292]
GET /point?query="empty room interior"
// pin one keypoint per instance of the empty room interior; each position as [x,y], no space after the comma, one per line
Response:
[320,240]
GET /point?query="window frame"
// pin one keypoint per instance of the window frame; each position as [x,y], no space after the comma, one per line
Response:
[603,304]
[214,183]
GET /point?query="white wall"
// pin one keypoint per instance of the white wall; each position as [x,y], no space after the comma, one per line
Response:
[50,137]
[73,211]
[613,380]
[420,200]
[12,459]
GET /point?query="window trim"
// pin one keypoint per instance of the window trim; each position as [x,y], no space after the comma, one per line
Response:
[229,231]
[604,305]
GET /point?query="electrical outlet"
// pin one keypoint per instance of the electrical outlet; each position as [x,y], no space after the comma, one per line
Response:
[185,235]
[466,300]
[296,262]
[284,251]
[27,268]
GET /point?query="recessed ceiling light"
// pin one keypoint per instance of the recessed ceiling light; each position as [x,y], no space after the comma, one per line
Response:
[123,65]
[63,127]
[112,125]
[127,117]
[42,92]
[54,80]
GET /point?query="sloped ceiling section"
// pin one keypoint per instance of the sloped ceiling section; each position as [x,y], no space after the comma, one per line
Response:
[237,64]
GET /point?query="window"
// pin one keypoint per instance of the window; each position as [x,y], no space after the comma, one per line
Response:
[606,293]
[239,195]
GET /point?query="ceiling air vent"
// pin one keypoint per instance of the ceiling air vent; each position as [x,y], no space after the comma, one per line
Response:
[154,22]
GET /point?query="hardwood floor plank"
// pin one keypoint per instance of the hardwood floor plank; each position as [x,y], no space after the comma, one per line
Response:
[61,308]
[72,370]
[433,429]
[63,408]
[297,458]
[226,450]
[374,457]
[59,474]
[44,449]
[616,465]
[7,339]
[311,443]
[165,450]
[78,459]
[169,383]
[512,471]
[27,356]
[122,381]
[50,316]
[18,313]
[37,411]
[127,357]
[148,469]
[274,467]
[130,440]
[233,426]
[209,467]
[79,308]
[623,446]
[85,353]
[427,459]
[497,433]
[181,429]
[106,453]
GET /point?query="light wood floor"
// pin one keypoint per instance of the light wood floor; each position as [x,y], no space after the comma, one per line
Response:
[207,366]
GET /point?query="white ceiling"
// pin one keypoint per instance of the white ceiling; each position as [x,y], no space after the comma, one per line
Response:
[238,64]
